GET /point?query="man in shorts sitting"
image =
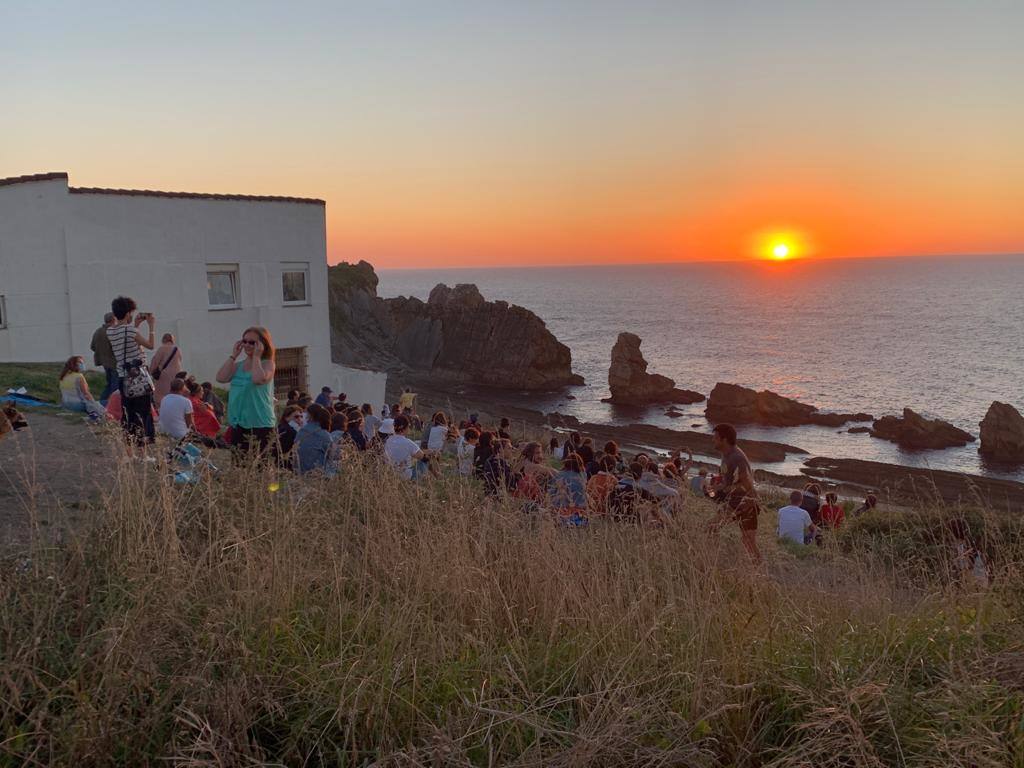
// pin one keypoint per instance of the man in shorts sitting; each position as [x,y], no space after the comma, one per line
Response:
[736,489]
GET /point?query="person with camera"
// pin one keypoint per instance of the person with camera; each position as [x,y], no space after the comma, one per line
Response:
[136,385]
[251,398]
[164,367]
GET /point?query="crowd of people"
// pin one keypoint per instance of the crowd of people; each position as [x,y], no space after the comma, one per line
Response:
[572,478]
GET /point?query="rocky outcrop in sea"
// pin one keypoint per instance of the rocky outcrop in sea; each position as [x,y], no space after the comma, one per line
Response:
[631,384]
[1002,434]
[734,404]
[456,335]
[912,430]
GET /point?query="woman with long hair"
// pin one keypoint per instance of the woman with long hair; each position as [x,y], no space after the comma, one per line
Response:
[74,389]
[251,398]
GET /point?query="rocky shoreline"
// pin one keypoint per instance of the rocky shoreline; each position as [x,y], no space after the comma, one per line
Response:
[893,483]
[461,351]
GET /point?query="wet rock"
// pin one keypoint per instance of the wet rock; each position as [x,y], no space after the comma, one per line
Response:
[912,430]
[859,430]
[1002,434]
[734,404]
[631,384]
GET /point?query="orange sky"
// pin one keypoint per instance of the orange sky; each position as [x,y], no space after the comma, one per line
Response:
[570,132]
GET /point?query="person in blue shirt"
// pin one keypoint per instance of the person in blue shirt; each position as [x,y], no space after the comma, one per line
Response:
[313,444]
[568,488]
[324,398]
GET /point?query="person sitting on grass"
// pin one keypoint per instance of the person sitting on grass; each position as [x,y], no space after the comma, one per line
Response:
[499,479]
[288,426]
[831,512]
[465,448]
[74,389]
[795,522]
[356,432]
[205,419]
[601,485]
[176,412]
[313,443]
[399,451]
[699,483]
[568,489]
[211,399]
[869,505]
[534,473]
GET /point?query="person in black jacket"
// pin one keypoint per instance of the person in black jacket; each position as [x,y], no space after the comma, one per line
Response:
[498,475]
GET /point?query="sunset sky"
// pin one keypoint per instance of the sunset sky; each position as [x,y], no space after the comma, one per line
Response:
[479,133]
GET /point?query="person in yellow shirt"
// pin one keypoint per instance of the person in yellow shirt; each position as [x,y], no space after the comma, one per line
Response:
[407,401]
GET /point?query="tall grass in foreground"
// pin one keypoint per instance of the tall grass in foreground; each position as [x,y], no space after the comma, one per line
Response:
[369,621]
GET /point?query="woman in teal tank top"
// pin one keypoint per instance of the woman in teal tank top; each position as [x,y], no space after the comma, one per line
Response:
[251,400]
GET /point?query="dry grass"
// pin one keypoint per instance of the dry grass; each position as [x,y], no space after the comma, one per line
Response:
[369,621]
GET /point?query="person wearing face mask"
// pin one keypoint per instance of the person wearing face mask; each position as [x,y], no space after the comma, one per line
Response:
[293,418]
[74,389]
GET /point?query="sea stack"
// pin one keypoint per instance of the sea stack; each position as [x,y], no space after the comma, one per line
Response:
[631,384]
[1002,434]
[912,430]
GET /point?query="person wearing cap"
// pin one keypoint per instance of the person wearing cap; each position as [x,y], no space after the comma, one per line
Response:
[399,451]
[324,398]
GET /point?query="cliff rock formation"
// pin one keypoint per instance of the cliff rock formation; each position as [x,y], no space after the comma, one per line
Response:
[912,430]
[630,382]
[740,405]
[1002,433]
[455,335]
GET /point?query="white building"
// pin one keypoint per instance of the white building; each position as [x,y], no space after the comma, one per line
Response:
[207,265]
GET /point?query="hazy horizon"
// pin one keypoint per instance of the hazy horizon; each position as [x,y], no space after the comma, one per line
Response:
[475,134]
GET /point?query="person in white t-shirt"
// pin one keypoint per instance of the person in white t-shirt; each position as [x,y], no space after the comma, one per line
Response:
[438,434]
[794,522]
[176,417]
[465,449]
[401,452]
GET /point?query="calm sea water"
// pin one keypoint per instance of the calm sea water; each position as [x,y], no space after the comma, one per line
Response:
[944,336]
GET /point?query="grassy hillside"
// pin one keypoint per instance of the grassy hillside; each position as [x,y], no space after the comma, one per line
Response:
[40,379]
[369,621]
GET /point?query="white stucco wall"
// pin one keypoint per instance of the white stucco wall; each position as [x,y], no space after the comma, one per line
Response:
[64,255]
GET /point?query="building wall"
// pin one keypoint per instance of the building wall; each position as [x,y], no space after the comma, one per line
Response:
[64,255]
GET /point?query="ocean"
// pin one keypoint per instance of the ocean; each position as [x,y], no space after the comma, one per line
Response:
[942,335]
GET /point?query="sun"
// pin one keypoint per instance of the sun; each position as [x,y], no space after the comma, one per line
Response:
[781,244]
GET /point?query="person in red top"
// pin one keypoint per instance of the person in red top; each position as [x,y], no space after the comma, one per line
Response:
[206,421]
[831,512]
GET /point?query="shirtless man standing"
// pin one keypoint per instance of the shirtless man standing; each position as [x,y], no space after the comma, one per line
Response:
[737,489]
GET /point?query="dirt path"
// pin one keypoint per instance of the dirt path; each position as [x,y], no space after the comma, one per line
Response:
[48,474]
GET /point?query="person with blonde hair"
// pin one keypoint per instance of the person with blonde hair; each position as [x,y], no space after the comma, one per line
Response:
[251,397]
[74,389]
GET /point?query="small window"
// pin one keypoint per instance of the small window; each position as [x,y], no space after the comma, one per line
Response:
[222,285]
[295,283]
[3,313]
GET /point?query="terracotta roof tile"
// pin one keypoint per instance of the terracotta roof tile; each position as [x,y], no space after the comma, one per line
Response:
[33,177]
